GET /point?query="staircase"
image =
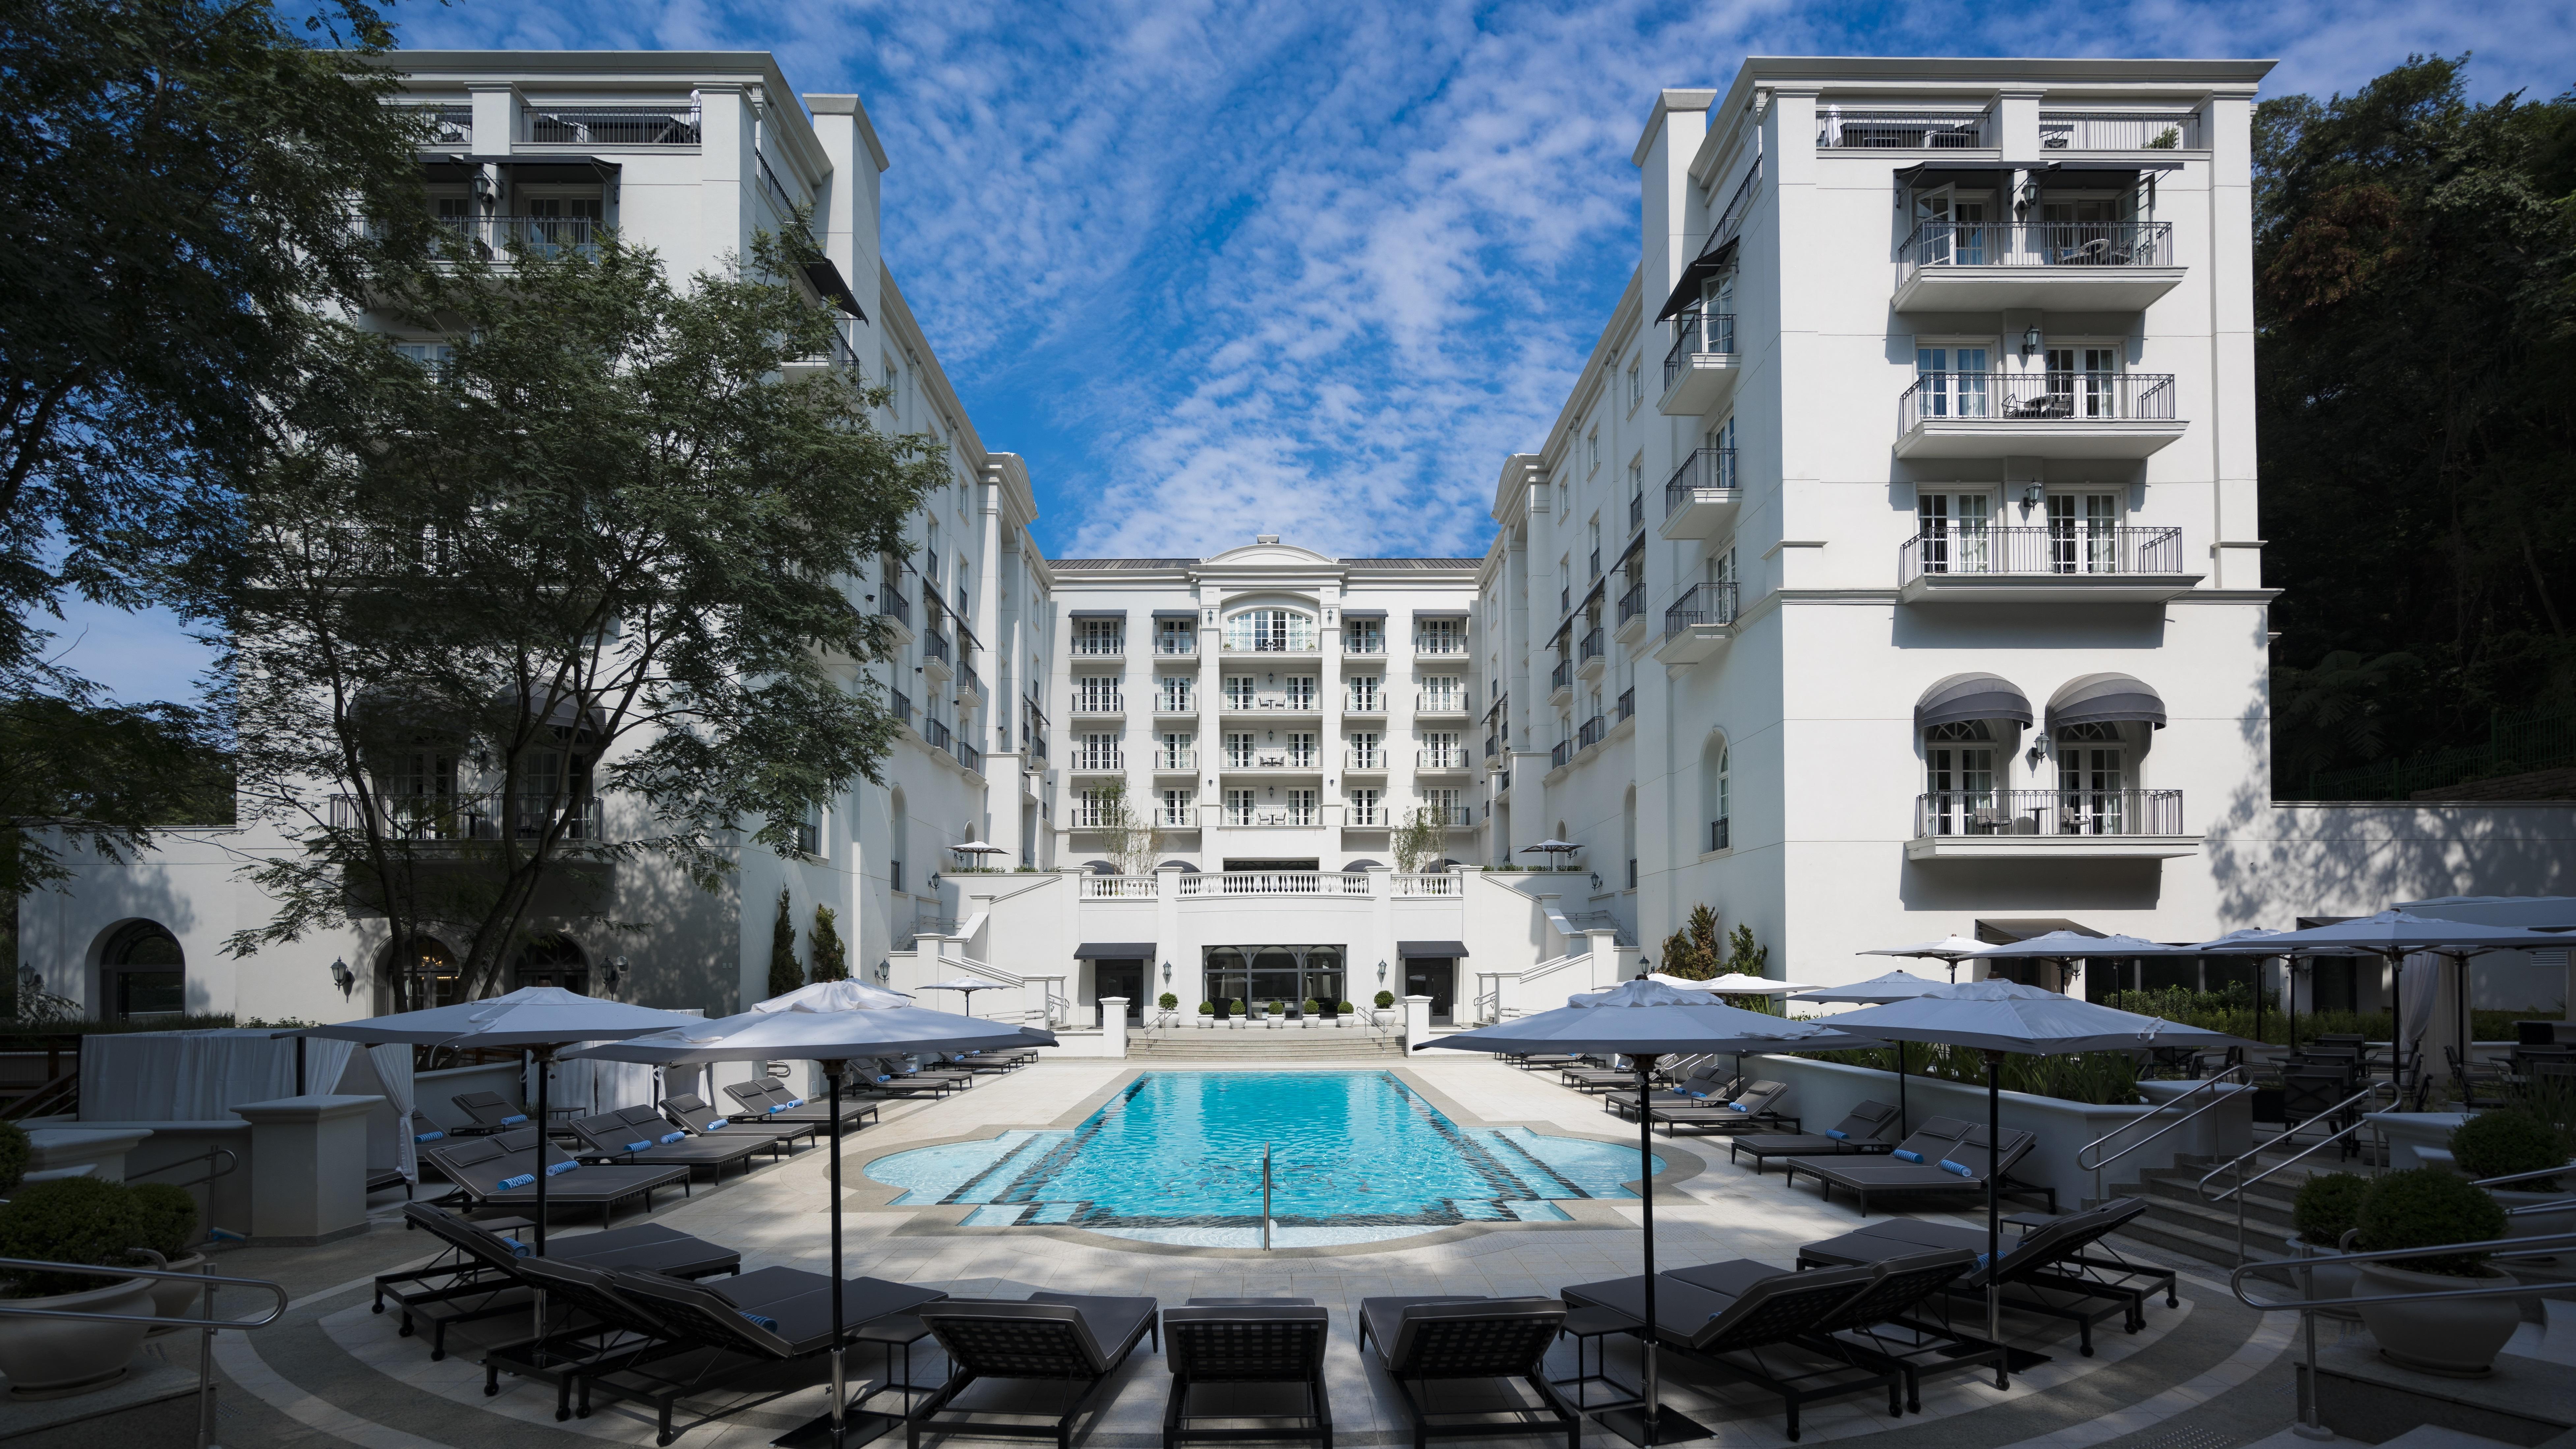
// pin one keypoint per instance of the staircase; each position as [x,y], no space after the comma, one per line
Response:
[2179,1221]
[1288,1045]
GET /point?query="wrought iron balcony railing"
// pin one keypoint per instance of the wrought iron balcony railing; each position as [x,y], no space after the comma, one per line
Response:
[2048,812]
[2037,397]
[2056,549]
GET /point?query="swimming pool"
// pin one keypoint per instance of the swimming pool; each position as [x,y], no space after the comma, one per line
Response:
[1175,1157]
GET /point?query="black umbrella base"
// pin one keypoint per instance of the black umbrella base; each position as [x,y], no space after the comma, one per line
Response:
[859,1426]
[1671,1426]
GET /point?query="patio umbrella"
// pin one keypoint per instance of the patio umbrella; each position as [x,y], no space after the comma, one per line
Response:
[1644,1020]
[1733,983]
[832,1038]
[1878,991]
[535,1019]
[2005,1016]
[1948,948]
[1552,847]
[2063,947]
[2393,936]
[836,996]
[966,985]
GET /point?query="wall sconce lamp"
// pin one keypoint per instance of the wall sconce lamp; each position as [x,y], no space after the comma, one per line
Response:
[2031,341]
[1645,967]
[616,971]
[1167,973]
[2032,497]
[343,977]
[1381,971]
[2038,750]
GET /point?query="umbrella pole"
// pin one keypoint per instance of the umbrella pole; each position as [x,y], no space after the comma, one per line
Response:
[540,1056]
[1646,1194]
[840,1350]
[1902,1130]
[1995,1210]
[2396,1031]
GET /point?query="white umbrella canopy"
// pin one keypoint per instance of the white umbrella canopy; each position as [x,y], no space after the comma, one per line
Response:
[1948,948]
[1899,985]
[2064,945]
[531,1016]
[1733,983]
[836,996]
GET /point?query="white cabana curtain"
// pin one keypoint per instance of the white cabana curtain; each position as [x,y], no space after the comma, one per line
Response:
[385,1071]
[2419,994]
[197,1076]
[589,1086]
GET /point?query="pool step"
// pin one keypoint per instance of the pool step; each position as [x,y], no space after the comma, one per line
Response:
[1300,1045]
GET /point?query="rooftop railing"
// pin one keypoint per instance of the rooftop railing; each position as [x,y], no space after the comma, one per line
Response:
[1842,130]
[2058,549]
[611,126]
[2117,131]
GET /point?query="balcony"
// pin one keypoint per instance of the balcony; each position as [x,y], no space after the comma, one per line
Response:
[499,238]
[1429,702]
[1440,644]
[1636,511]
[970,685]
[2037,415]
[1627,707]
[2118,131]
[1701,496]
[1166,702]
[461,818]
[935,735]
[1701,367]
[1441,761]
[1560,681]
[2059,266]
[1176,762]
[899,704]
[1183,643]
[1455,817]
[1559,754]
[609,126]
[971,758]
[1697,624]
[1099,701]
[893,605]
[934,647]
[1592,653]
[1273,883]
[1848,130]
[1302,761]
[1363,762]
[1272,704]
[2052,824]
[2055,564]
[1365,704]
[1632,604]
[1593,732]
[1100,646]
[1719,836]
[1097,762]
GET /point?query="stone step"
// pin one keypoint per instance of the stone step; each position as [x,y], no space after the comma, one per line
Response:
[2208,1236]
[1299,1046]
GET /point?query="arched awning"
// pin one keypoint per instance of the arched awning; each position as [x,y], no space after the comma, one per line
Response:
[1964,697]
[2104,699]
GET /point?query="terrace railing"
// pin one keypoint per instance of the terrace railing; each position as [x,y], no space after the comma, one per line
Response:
[2048,812]
[2055,549]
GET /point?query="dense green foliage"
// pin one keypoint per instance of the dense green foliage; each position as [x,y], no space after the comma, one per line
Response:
[2327,1207]
[2231,1010]
[2415,286]
[1693,953]
[2504,1143]
[784,974]
[2427,1207]
[72,1220]
[14,1152]
[2098,1078]
[831,958]
[169,1218]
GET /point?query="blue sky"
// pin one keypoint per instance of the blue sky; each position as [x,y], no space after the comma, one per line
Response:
[1275,266]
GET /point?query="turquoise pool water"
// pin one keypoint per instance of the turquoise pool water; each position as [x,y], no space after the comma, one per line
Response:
[1176,1157]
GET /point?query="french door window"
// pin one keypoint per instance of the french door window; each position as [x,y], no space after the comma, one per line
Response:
[2081,539]
[2092,780]
[2082,381]
[1959,780]
[1951,382]
[1952,531]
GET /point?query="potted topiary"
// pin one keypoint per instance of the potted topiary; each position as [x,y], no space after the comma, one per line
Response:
[2509,1143]
[2428,1207]
[1276,1011]
[1237,1008]
[170,1215]
[1207,1014]
[1308,1010]
[1168,1009]
[1341,1013]
[71,1220]
[2325,1210]
[1384,1001]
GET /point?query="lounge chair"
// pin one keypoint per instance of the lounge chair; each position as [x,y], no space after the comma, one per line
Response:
[501,1172]
[2048,1270]
[1073,1340]
[1242,1341]
[1876,1328]
[768,1100]
[1867,1129]
[902,1071]
[877,1078]
[1755,1111]
[1705,1086]
[756,1339]
[691,1111]
[478,1276]
[491,1112]
[1601,1078]
[1941,1163]
[1426,1340]
[619,1137]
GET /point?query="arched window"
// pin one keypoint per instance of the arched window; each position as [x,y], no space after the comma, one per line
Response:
[427,972]
[1717,790]
[900,830]
[1270,631]
[144,971]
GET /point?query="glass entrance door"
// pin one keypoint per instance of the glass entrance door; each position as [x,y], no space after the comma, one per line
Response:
[1121,977]
[1435,977]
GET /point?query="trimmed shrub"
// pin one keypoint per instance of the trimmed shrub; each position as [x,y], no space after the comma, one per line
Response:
[1385,999]
[14,1151]
[1310,1006]
[1277,1007]
[2327,1207]
[2427,1207]
[71,1220]
[171,1215]
[1207,1008]
[2501,1144]
[1343,1008]
[1236,1007]
[1168,1002]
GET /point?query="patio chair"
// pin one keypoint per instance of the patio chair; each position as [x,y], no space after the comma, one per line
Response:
[1426,1340]
[1755,1111]
[879,1077]
[901,1070]
[1233,1345]
[691,1111]
[768,1100]
[619,1137]
[2051,1270]
[1602,1078]
[1075,1341]
[1705,1087]
[754,1340]
[491,1112]
[1867,1129]
[1877,1328]
[1775,1331]
[478,1275]
[2481,1084]
[1962,1168]
[502,1171]
[2318,1095]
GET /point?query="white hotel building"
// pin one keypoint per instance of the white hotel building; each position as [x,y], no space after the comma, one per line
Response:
[1892,571]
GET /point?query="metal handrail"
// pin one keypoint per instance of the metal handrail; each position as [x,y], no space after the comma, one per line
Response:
[2238,1165]
[2311,1424]
[206,1350]
[2231,1076]
[232,1164]
[2523,1176]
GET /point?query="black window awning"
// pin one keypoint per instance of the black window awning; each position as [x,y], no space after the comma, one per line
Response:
[1364,613]
[1952,173]
[1096,614]
[2105,699]
[2129,166]
[1191,614]
[1962,698]
[827,280]
[1432,950]
[1694,276]
[1114,951]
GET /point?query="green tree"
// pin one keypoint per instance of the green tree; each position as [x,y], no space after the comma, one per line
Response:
[577,596]
[831,958]
[784,974]
[2415,305]
[1692,953]
[1744,955]
[1421,840]
[99,775]
[1135,843]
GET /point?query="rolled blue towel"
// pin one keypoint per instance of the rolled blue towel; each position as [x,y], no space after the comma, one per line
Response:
[764,1321]
[560,1168]
[1909,1156]
[795,1101]
[774,1111]
[719,1122]
[1947,1165]
[427,1136]
[1838,1134]
[517,1249]
[1696,1096]
[881,1077]
[514,1119]
[671,1137]
[639,1146]
[522,1180]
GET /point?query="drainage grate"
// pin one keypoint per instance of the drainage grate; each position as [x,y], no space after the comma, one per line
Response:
[2193,1439]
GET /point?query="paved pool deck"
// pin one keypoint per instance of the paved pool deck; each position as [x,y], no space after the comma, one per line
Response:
[2209,1374]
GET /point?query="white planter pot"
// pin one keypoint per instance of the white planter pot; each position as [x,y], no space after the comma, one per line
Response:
[2332,1281]
[178,1300]
[2457,1338]
[51,1358]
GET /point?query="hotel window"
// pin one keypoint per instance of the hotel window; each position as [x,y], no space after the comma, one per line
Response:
[1270,631]
[1095,694]
[1238,691]
[1090,809]
[1175,636]
[1365,697]
[2083,382]
[1448,806]
[1238,751]
[1301,691]
[1238,807]
[1592,450]
[1441,750]
[1301,807]
[1301,751]
[1959,781]
[2083,535]
[1363,636]
[1178,752]
[1176,806]
[1440,636]
[1366,753]
[2092,778]
[1951,531]
[1442,692]
[1365,809]
[1636,381]
[1099,636]
[1950,382]
[1096,752]
[1172,693]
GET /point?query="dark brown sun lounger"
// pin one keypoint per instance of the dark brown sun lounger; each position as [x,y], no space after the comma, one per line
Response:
[1075,1342]
[1225,1344]
[1960,1167]
[691,1111]
[2062,1268]
[618,1137]
[491,1112]
[1755,1111]
[1867,1129]
[768,1100]
[501,1171]
[1427,1340]
[479,1276]
[1706,1087]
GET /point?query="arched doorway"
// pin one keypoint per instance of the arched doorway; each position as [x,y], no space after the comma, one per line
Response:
[143,972]
[426,973]
[554,961]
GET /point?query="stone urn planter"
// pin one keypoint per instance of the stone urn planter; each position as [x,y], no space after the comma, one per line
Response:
[2457,1338]
[170,1298]
[2335,1280]
[52,1358]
